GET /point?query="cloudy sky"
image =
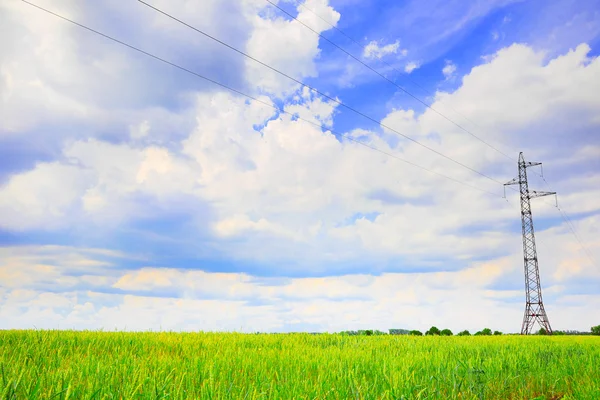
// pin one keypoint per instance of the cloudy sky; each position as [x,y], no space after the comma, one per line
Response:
[135,195]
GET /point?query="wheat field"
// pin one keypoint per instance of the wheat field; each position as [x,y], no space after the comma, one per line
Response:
[165,365]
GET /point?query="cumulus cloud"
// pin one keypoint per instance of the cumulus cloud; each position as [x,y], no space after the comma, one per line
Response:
[296,182]
[287,46]
[198,300]
[280,192]
[374,50]
[411,66]
[139,131]
[449,69]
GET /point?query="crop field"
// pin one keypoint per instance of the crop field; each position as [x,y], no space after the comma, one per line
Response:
[117,365]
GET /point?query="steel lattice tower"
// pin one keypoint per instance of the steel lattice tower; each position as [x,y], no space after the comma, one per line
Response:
[534,306]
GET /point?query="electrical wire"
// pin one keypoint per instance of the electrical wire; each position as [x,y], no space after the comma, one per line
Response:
[412,80]
[280,110]
[372,119]
[386,78]
[570,224]
[567,220]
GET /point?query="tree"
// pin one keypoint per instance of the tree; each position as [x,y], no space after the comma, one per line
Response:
[596,330]
[542,331]
[446,332]
[486,332]
[497,333]
[433,331]
[415,333]
[464,333]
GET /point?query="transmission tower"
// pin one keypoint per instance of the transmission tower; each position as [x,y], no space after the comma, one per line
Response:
[534,306]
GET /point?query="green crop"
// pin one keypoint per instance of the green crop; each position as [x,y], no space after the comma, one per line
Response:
[119,365]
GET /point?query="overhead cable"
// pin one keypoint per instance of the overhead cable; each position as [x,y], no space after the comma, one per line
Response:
[372,119]
[281,110]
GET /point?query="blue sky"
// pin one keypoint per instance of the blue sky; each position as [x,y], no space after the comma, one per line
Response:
[136,196]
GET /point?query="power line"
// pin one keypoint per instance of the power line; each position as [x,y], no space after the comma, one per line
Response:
[387,79]
[281,110]
[570,224]
[409,78]
[318,92]
[320,126]
[572,228]
[562,212]
[566,218]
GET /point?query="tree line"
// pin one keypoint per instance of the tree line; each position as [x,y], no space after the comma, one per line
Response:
[434,331]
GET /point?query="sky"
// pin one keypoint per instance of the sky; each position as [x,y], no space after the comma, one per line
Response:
[135,195]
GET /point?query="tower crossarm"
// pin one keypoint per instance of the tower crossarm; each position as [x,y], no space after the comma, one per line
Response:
[533,194]
[528,164]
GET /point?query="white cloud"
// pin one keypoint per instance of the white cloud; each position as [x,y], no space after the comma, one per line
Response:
[317,201]
[374,50]
[42,197]
[449,69]
[287,46]
[292,177]
[139,131]
[241,224]
[237,301]
[411,66]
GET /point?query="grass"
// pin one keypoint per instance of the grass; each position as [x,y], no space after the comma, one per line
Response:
[118,365]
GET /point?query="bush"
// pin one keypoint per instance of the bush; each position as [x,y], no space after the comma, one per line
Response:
[464,333]
[497,333]
[596,330]
[558,333]
[446,332]
[415,333]
[433,331]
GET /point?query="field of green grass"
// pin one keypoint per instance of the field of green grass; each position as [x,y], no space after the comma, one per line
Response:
[116,365]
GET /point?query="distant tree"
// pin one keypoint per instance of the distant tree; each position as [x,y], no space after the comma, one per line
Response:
[560,333]
[433,331]
[464,333]
[497,333]
[478,333]
[446,332]
[596,330]
[399,331]
[486,332]
[369,332]
[542,331]
[415,333]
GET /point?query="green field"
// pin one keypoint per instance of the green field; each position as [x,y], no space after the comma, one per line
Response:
[116,365]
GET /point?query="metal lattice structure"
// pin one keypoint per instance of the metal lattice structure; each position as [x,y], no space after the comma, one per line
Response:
[534,306]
